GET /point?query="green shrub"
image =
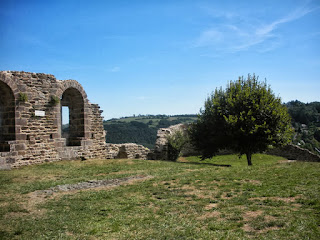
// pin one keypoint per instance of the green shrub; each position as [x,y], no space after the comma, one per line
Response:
[23,97]
[176,142]
[54,100]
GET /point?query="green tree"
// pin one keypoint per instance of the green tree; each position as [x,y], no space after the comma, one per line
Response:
[176,142]
[245,117]
[317,135]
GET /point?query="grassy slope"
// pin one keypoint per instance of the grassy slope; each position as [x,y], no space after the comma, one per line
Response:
[189,199]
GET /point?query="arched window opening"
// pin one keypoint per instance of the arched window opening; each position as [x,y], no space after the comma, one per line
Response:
[7,117]
[65,122]
[72,113]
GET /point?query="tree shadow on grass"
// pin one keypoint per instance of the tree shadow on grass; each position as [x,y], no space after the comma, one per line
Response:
[199,163]
[209,164]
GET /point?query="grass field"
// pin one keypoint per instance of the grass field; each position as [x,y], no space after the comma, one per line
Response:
[189,199]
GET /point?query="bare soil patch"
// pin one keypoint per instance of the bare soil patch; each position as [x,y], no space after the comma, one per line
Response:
[248,216]
[215,214]
[211,206]
[258,216]
[254,182]
[198,192]
[92,184]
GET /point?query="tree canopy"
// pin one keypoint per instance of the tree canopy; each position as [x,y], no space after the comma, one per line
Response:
[304,113]
[306,121]
[246,117]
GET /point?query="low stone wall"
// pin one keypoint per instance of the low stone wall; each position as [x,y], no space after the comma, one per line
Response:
[293,152]
[127,150]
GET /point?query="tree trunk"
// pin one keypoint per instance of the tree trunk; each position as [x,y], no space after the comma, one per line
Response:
[249,159]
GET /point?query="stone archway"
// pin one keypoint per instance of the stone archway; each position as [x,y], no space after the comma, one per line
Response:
[73,99]
[30,120]
[7,117]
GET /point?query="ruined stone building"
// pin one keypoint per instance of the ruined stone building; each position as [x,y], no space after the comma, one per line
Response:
[31,125]
[31,120]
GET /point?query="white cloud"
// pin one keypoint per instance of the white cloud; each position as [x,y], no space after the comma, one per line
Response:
[243,35]
[298,13]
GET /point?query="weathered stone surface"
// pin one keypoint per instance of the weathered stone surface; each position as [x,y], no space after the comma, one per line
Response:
[127,150]
[161,146]
[293,152]
[90,185]
[30,121]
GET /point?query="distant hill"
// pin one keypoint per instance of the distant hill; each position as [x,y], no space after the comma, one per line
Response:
[141,129]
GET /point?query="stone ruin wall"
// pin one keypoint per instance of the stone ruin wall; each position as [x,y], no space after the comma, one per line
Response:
[127,150]
[293,152]
[160,151]
[30,125]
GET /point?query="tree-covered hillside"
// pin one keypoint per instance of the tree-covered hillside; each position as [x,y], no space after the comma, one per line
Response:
[306,122]
[141,129]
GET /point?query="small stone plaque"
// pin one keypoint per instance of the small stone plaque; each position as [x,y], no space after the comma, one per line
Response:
[38,113]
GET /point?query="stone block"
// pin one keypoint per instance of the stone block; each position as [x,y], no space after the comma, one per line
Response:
[20,146]
[21,121]
[21,136]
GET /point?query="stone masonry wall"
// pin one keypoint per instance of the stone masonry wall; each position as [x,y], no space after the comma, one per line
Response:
[36,125]
[160,151]
[127,150]
[161,146]
[293,152]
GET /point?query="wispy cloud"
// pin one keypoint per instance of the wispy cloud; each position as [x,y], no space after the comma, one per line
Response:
[114,69]
[209,37]
[298,13]
[243,35]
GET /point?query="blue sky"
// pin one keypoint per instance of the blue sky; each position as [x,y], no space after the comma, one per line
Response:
[164,57]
